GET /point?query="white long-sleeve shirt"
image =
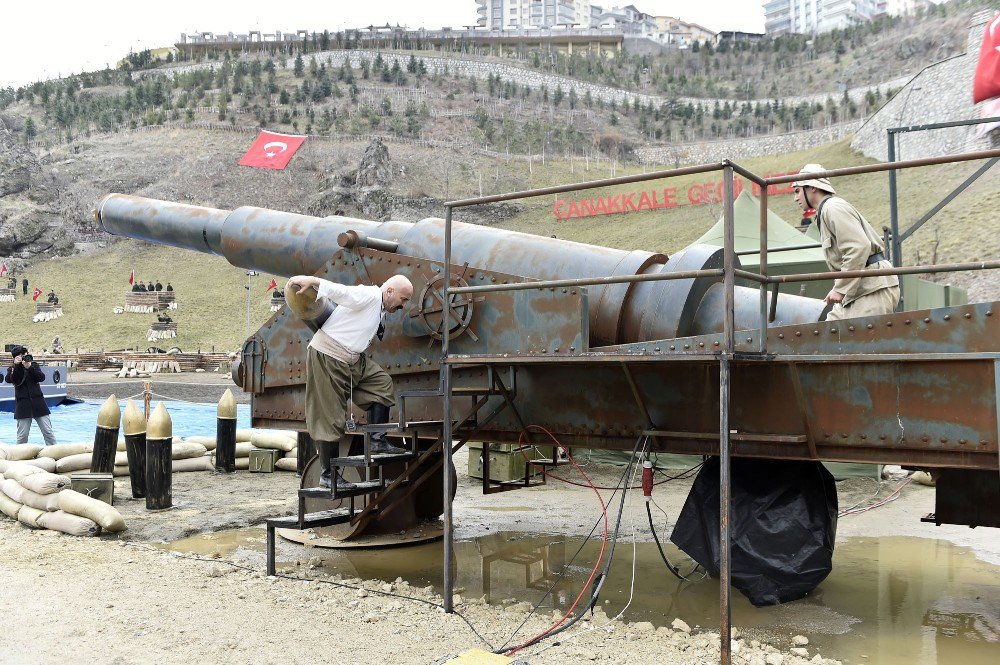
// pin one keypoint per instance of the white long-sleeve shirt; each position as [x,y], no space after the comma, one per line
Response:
[356,318]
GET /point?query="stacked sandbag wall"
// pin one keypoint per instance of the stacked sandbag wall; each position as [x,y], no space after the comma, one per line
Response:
[42,500]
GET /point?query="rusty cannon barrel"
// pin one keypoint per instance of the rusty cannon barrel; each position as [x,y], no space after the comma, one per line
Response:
[289,244]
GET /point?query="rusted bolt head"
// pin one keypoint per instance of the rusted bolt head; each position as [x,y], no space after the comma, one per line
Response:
[947,317]
[851,328]
[656,348]
[701,344]
[968,316]
[687,346]
[798,333]
[962,441]
[781,335]
[927,319]
[749,340]
[715,343]
[843,436]
[869,326]
[833,331]
[815,332]
[672,347]
[944,440]
[907,322]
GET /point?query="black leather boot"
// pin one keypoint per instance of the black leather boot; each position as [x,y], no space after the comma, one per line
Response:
[325,451]
[377,415]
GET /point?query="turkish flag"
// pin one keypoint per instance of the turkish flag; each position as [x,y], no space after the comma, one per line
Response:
[37,292]
[270,286]
[272,150]
[131,277]
[3,270]
[986,83]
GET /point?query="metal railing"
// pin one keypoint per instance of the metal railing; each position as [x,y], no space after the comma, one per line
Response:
[729,273]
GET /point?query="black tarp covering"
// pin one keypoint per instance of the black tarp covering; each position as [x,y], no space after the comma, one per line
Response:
[782,528]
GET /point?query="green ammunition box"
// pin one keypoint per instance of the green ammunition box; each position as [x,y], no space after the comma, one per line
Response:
[506,461]
[262,460]
[100,486]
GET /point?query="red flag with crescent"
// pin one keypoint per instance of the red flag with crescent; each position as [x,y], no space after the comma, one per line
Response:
[272,150]
[3,270]
[986,83]
[131,277]
[37,292]
[270,286]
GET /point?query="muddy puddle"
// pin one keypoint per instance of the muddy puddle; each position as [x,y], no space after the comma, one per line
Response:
[888,600]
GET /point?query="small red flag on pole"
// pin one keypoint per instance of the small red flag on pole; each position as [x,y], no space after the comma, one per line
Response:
[37,292]
[3,270]
[131,277]
[270,286]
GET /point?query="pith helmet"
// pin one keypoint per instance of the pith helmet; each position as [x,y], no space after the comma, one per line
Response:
[818,183]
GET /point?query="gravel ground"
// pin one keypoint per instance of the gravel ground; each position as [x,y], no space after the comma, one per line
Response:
[125,599]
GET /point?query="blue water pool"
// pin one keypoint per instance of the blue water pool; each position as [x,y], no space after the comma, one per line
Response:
[76,422]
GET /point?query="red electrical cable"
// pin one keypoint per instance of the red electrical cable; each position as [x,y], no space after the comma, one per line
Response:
[600,556]
[549,474]
[858,511]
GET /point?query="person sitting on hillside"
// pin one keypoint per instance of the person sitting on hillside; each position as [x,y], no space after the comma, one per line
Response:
[12,283]
[149,287]
[52,298]
[169,288]
[164,318]
[159,287]
[56,345]
[136,287]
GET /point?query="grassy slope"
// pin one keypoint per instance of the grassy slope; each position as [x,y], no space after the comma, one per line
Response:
[213,300]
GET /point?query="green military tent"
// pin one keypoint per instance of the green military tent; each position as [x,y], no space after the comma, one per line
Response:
[917,293]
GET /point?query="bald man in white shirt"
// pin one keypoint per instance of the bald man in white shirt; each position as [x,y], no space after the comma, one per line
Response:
[337,369]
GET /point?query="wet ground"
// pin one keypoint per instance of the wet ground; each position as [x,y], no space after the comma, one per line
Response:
[888,600]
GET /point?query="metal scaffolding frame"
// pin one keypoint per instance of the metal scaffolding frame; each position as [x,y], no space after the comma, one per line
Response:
[725,354]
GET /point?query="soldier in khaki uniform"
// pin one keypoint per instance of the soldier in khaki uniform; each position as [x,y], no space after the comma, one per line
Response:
[849,243]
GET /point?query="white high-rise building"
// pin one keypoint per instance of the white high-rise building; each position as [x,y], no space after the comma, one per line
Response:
[514,14]
[815,16]
[900,7]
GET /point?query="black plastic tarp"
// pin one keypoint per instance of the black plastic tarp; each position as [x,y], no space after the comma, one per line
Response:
[783,526]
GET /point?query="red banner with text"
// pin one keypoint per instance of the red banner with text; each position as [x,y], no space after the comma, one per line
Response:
[659,198]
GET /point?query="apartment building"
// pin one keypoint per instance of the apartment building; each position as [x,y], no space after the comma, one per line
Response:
[517,14]
[670,30]
[815,16]
[900,7]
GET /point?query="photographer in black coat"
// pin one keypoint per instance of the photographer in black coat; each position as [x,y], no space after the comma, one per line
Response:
[29,402]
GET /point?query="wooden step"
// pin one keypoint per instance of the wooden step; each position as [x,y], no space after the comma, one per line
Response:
[375,460]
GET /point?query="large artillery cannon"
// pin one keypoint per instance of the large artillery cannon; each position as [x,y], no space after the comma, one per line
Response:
[603,364]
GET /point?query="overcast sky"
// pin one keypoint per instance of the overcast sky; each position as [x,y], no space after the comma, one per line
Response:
[61,38]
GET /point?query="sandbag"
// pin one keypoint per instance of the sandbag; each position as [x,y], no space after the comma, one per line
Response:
[28,516]
[8,506]
[21,451]
[242,463]
[121,459]
[12,489]
[207,441]
[44,483]
[186,450]
[192,464]
[60,450]
[106,516]
[287,464]
[72,463]
[65,522]
[243,435]
[243,449]
[783,525]
[46,502]
[43,463]
[293,453]
[272,440]
[19,471]
[121,446]
[119,471]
